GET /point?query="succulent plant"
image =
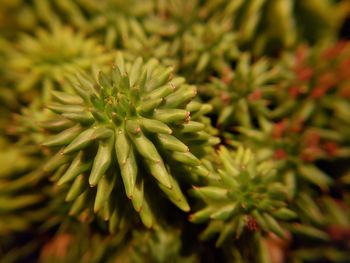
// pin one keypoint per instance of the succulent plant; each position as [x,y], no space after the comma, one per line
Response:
[207,47]
[24,126]
[161,245]
[140,43]
[39,64]
[136,123]
[246,194]
[114,20]
[246,88]
[277,24]
[24,191]
[318,88]
[167,18]
[292,150]
[331,241]
[268,26]
[300,130]
[54,12]
[107,153]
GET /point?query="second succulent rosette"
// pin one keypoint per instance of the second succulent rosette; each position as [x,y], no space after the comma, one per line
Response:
[137,126]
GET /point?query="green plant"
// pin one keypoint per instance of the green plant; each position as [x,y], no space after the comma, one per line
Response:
[244,194]
[135,123]
[174,131]
[39,64]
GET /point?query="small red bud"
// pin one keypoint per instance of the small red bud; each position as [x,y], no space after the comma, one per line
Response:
[312,139]
[331,148]
[255,95]
[344,90]
[227,75]
[334,51]
[280,154]
[279,129]
[327,79]
[294,91]
[339,233]
[318,92]
[252,225]
[310,154]
[225,97]
[301,54]
[343,70]
[305,73]
[296,125]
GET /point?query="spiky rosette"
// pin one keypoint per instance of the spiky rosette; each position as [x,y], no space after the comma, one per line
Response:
[290,148]
[160,33]
[308,120]
[65,11]
[178,40]
[207,47]
[246,194]
[38,64]
[327,227]
[115,20]
[168,19]
[141,43]
[245,89]
[134,123]
[25,199]
[267,26]
[317,97]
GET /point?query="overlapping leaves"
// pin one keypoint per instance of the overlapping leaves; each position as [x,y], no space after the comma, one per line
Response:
[39,64]
[246,89]
[246,194]
[136,124]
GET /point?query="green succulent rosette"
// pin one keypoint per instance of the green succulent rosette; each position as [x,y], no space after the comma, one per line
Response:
[137,125]
[324,234]
[141,43]
[115,21]
[38,64]
[264,26]
[167,18]
[26,197]
[290,149]
[207,48]
[53,12]
[246,195]
[316,96]
[245,89]
[307,119]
